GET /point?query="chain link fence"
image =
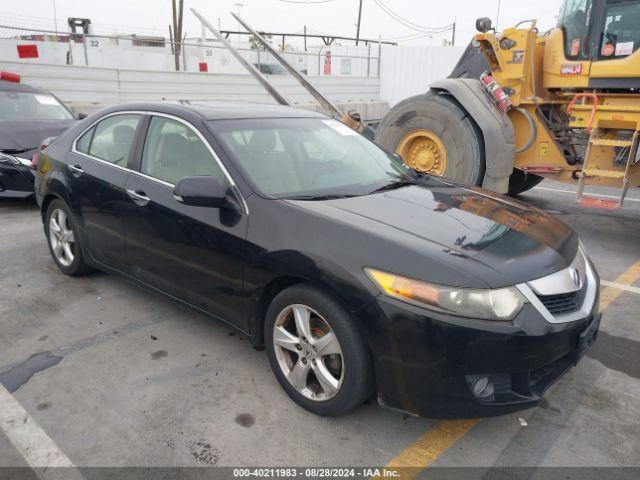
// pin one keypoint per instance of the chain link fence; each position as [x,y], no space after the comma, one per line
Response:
[140,52]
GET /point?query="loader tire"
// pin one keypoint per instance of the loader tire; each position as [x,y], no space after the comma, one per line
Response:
[438,122]
[520,181]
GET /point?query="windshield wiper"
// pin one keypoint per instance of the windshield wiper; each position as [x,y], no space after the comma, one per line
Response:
[394,185]
[320,197]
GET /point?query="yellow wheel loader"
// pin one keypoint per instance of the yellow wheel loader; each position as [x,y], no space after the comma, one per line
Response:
[521,106]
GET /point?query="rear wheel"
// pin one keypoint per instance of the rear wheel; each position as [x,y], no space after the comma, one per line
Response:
[63,239]
[316,351]
[433,134]
[520,181]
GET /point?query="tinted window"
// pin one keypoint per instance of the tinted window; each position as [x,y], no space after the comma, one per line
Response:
[84,142]
[113,138]
[621,29]
[31,106]
[173,151]
[288,157]
[574,21]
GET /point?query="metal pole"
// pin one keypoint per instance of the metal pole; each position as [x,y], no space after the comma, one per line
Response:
[497,16]
[305,38]
[453,33]
[359,19]
[86,53]
[379,53]
[176,36]
[368,59]
[55,17]
[250,68]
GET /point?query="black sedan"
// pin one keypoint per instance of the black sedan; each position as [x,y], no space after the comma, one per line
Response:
[28,115]
[357,274]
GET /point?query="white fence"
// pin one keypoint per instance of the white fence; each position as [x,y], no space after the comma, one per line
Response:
[87,86]
[408,71]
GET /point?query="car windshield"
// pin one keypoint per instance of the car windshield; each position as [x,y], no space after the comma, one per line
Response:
[31,106]
[309,157]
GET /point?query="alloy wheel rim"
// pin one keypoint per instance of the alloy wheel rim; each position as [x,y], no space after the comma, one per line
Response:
[308,352]
[61,237]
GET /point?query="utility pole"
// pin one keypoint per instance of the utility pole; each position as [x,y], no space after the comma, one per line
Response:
[176,35]
[453,33]
[55,17]
[359,19]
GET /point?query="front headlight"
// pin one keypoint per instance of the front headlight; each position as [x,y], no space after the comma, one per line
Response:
[485,304]
[8,159]
[11,160]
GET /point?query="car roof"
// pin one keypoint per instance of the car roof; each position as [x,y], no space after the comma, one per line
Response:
[6,86]
[219,110]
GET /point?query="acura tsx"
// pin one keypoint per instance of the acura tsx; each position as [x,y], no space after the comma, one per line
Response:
[358,274]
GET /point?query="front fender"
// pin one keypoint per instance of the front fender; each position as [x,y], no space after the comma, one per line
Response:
[497,130]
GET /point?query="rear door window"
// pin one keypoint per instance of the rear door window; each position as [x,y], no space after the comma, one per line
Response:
[113,138]
[173,151]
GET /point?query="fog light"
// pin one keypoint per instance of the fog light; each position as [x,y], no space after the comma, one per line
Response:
[481,386]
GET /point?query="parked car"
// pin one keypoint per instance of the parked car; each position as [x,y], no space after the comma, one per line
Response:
[357,273]
[28,115]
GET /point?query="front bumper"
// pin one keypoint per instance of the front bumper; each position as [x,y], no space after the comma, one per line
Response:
[16,181]
[427,363]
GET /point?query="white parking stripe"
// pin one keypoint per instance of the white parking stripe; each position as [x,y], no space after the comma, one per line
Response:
[35,446]
[587,194]
[626,288]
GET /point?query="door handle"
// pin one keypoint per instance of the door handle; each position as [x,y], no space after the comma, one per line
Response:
[76,170]
[138,197]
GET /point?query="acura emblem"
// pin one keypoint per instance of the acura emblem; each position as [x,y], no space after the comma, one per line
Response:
[576,277]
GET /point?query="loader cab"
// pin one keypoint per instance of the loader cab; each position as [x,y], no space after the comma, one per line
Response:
[594,46]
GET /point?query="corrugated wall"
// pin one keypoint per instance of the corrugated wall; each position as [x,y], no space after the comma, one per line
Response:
[408,71]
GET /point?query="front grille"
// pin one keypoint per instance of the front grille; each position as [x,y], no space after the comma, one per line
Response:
[564,303]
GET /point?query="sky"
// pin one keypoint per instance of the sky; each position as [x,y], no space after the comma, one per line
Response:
[338,17]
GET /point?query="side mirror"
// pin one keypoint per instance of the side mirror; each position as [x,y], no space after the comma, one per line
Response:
[200,192]
[483,24]
[81,116]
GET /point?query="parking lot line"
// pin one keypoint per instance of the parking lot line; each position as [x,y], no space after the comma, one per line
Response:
[619,286]
[612,292]
[31,441]
[600,195]
[429,446]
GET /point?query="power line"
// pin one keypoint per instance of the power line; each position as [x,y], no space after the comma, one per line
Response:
[407,23]
[306,2]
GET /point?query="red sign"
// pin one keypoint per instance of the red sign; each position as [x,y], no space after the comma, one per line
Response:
[608,50]
[28,51]
[570,69]
[327,63]
[203,66]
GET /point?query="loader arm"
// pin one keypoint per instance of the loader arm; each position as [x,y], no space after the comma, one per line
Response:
[351,118]
[273,91]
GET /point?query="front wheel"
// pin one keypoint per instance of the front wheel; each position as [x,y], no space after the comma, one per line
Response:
[316,351]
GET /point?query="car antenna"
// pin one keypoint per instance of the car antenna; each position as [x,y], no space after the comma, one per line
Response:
[351,119]
[252,70]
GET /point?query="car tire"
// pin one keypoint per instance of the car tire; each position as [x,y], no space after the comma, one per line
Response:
[63,240]
[349,371]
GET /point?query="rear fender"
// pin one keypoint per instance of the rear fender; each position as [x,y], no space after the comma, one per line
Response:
[496,128]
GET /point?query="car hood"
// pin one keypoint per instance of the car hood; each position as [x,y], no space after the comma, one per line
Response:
[28,135]
[488,236]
